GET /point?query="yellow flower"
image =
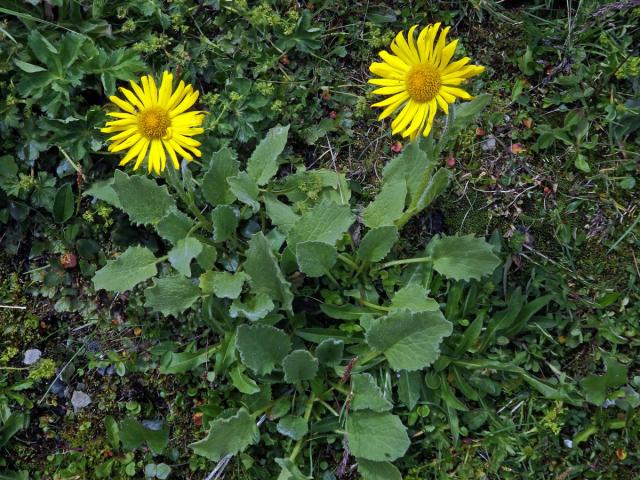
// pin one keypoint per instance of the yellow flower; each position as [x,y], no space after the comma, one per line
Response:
[420,79]
[155,121]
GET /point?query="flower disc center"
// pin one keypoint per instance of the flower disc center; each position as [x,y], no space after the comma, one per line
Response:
[423,83]
[154,122]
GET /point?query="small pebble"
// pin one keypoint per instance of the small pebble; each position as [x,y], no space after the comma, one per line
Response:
[152,424]
[489,144]
[80,400]
[31,356]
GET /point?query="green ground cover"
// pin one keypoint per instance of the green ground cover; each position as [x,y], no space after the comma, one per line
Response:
[298,321]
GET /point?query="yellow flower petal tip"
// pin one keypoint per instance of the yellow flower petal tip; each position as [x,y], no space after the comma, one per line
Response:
[155,121]
[420,78]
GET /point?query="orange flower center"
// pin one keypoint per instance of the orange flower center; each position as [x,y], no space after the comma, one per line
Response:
[154,122]
[423,83]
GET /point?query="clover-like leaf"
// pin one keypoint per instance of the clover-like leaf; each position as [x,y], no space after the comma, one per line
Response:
[262,347]
[376,436]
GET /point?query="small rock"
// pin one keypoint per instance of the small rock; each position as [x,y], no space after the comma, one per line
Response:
[31,356]
[152,424]
[58,388]
[568,443]
[80,400]
[489,144]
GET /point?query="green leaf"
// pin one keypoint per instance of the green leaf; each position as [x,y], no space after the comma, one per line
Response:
[242,382]
[207,257]
[377,470]
[12,425]
[409,340]
[281,214]
[135,265]
[262,347]
[263,163]
[63,204]
[376,436]
[427,193]
[223,284]
[171,295]
[377,243]
[183,253]
[142,199]
[215,188]
[299,365]
[227,436]
[595,386]
[367,395]
[225,222]
[292,427]
[411,166]
[290,471]
[316,258]
[462,258]
[409,386]
[102,190]
[254,309]
[245,189]
[413,297]
[28,67]
[174,226]
[388,204]
[263,269]
[330,351]
[133,434]
[181,362]
[326,223]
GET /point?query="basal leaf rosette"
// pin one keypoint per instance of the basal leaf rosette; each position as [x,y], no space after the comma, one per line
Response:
[419,78]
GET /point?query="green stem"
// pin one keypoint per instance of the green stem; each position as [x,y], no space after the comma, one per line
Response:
[404,262]
[348,261]
[373,305]
[307,415]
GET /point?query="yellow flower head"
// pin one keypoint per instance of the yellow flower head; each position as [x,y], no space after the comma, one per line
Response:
[155,121]
[419,78]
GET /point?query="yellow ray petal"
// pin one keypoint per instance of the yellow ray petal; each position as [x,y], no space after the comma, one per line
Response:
[393,61]
[421,45]
[447,53]
[391,108]
[142,98]
[440,46]
[142,153]
[189,119]
[163,155]
[123,134]
[385,82]
[393,99]
[185,141]
[154,157]
[432,113]
[442,104]
[121,123]
[399,50]
[165,89]
[181,151]
[447,97]
[188,131]
[458,92]
[431,36]
[385,70]
[455,66]
[127,107]
[390,90]
[132,98]
[172,154]
[185,104]
[178,95]
[411,41]
[120,115]
[412,108]
[418,119]
[133,151]
[452,81]
[117,147]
